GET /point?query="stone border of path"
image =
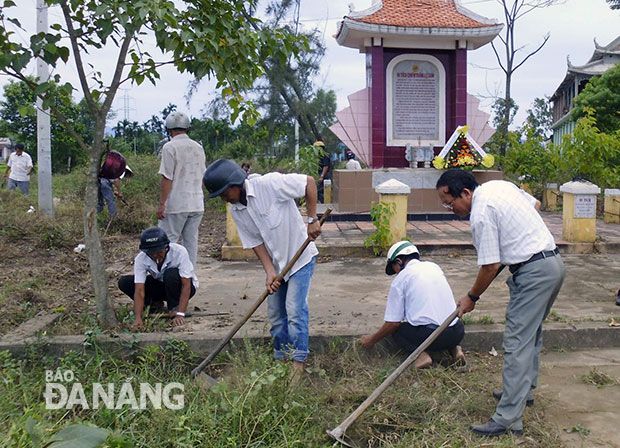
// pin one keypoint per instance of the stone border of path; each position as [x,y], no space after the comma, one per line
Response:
[557,336]
[238,253]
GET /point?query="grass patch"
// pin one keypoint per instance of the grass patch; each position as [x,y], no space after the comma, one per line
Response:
[482,320]
[255,405]
[555,317]
[599,379]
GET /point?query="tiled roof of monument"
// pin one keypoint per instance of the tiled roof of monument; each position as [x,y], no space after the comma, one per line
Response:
[420,14]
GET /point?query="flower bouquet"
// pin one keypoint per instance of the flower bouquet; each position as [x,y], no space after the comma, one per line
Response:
[461,151]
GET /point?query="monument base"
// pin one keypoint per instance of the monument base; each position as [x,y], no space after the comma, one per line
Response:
[354,190]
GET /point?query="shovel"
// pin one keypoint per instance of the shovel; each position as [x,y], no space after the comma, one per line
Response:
[209,381]
[338,432]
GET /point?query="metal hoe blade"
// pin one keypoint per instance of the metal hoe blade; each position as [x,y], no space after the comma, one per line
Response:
[205,381]
[337,434]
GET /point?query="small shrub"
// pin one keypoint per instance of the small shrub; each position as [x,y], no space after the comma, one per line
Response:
[381,239]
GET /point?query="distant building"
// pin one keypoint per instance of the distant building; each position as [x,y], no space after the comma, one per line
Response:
[603,58]
[6,148]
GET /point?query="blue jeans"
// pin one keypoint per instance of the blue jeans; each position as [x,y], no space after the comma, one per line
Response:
[24,186]
[288,313]
[106,194]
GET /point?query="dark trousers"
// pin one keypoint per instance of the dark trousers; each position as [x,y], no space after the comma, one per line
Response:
[156,291]
[410,337]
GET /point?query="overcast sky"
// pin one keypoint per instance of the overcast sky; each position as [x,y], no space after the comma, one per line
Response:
[573,26]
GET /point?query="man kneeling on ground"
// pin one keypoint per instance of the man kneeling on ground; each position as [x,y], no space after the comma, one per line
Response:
[419,301]
[162,272]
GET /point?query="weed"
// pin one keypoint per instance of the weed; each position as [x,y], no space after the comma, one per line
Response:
[580,429]
[598,378]
[482,320]
[555,317]
[486,320]
[381,239]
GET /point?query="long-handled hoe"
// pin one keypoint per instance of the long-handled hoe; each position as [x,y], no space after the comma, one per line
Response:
[338,432]
[208,381]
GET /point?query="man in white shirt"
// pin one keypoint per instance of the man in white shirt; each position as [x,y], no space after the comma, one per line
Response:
[419,301]
[352,164]
[162,272]
[19,166]
[269,222]
[181,201]
[507,230]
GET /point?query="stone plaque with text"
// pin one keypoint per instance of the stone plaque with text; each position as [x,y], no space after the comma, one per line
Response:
[415,101]
[585,206]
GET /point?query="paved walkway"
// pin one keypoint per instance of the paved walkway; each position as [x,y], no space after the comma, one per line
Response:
[433,235]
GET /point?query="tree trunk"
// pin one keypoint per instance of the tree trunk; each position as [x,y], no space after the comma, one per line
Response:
[99,276]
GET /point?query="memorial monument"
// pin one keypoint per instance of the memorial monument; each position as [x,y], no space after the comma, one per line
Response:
[415,96]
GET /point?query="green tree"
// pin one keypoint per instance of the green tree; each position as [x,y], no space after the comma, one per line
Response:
[19,121]
[286,92]
[540,117]
[530,158]
[602,94]
[502,136]
[591,154]
[214,38]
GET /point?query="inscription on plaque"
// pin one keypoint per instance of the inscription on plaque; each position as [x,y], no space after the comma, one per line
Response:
[415,101]
[585,206]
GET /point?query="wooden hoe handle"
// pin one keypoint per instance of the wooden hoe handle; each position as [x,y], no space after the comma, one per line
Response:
[338,432]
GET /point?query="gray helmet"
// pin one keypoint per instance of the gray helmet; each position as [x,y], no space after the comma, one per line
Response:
[221,174]
[177,120]
[153,240]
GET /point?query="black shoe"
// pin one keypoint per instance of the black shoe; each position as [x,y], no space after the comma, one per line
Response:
[618,299]
[493,429]
[497,394]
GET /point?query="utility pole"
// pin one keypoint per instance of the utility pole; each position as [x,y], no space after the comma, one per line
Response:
[44,144]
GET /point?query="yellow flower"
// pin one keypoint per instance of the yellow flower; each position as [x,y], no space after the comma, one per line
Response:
[488,161]
[439,163]
[463,130]
[466,160]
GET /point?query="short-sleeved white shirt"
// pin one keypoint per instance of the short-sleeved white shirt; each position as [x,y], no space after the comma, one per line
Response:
[19,166]
[271,217]
[353,165]
[505,226]
[421,295]
[183,162]
[177,257]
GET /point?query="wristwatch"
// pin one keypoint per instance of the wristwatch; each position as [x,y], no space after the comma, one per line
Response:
[311,219]
[472,297]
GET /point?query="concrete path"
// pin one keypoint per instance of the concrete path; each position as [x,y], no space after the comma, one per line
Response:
[347,296]
[348,293]
[455,234]
[581,393]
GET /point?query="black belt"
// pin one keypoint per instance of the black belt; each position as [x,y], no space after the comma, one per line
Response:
[538,256]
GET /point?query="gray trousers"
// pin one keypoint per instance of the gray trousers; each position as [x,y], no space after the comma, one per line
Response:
[533,289]
[184,226]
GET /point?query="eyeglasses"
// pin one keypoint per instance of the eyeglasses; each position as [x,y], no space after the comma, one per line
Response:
[449,205]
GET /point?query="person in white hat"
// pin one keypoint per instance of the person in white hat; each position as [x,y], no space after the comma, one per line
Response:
[181,201]
[420,300]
